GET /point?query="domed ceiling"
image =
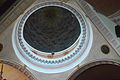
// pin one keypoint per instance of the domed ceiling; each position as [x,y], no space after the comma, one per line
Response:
[52,37]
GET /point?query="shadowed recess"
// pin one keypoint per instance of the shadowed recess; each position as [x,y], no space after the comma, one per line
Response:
[100,72]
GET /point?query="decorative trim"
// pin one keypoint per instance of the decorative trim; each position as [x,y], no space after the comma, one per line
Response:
[21,24]
[23,70]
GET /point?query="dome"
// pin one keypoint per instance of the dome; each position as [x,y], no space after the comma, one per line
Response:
[52,37]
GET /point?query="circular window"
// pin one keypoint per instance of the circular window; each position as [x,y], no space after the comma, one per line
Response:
[105,49]
[52,37]
[101,70]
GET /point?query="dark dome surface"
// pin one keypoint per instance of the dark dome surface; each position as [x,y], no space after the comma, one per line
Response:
[101,72]
[51,29]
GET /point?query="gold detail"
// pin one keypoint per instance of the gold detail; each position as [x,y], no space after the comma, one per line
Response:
[25,66]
